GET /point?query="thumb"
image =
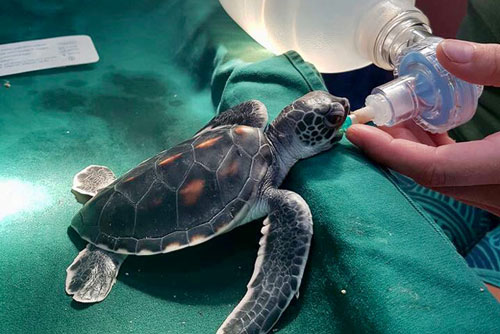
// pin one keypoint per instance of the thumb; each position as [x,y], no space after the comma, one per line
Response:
[472,62]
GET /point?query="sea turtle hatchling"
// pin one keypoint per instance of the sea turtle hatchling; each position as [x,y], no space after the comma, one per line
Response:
[227,175]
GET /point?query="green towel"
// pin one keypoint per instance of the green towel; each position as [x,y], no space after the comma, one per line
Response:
[164,65]
[400,273]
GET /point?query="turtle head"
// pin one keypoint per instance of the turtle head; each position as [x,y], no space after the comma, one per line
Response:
[311,124]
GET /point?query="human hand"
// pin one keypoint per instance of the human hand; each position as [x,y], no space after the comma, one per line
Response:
[468,172]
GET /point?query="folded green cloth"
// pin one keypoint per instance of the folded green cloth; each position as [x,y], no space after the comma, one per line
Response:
[163,67]
[399,271]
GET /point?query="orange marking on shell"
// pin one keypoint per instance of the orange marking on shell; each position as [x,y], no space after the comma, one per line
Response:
[242,130]
[172,246]
[231,170]
[169,159]
[130,179]
[197,238]
[208,142]
[192,191]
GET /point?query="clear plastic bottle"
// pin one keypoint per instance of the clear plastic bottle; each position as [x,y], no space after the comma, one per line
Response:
[340,35]
[334,35]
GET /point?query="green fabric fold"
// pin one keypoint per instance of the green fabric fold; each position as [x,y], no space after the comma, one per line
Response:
[400,273]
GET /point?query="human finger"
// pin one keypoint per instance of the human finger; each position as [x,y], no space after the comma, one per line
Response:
[472,62]
[409,130]
[440,139]
[462,164]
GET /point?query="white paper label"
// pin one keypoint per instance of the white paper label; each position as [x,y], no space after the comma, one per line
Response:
[46,53]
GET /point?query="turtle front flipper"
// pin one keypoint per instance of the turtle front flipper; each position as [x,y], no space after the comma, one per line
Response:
[90,180]
[92,274]
[250,113]
[284,248]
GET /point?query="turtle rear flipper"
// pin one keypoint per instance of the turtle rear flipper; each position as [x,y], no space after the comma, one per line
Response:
[92,274]
[282,257]
[90,180]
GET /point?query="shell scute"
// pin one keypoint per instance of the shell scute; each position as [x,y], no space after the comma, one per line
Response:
[125,245]
[174,241]
[210,138]
[155,213]
[105,240]
[200,233]
[224,219]
[233,173]
[149,246]
[136,182]
[211,156]
[117,218]
[249,188]
[77,221]
[260,166]
[173,172]
[163,158]
[221,221]
[247,138]
[265,152]
[92,209]
[198,198]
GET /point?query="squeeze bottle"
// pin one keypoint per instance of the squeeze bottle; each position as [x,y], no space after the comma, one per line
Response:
[343,35]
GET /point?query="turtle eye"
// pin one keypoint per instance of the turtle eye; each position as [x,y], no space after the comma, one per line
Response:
[335,118]
[337,114]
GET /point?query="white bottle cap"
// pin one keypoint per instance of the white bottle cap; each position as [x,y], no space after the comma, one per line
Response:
[363,115]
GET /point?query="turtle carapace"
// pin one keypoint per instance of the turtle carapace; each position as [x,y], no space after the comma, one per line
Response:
[227,175]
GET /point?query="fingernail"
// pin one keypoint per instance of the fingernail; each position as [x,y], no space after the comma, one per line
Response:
[458,51]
